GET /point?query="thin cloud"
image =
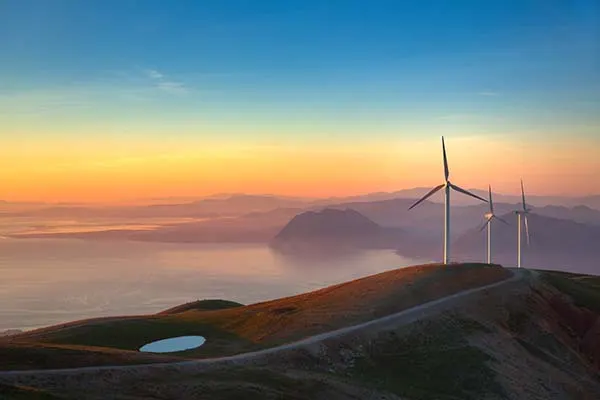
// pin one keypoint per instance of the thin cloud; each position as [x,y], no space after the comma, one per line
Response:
[154,74]
[164,84]
[488,94]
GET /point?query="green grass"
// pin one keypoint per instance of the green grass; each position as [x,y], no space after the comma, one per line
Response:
[131,334]
[203,305]
[434,363]
[583,289]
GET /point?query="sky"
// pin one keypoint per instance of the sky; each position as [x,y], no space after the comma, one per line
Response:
[119,100]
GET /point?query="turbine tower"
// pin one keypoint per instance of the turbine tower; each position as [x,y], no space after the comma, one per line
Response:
[488,222]
[447,185]
[523,213]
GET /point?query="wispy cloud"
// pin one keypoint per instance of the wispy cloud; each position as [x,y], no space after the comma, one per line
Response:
[154,74]
[123,86]
[488,94]
[161,82]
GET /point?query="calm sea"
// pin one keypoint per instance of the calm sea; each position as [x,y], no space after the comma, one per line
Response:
[45,282]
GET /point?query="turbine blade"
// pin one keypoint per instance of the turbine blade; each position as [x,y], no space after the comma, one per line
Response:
[484,225]
[527,229]
[523,196]
[459,189]
[491,202]
[446,169]
[428,195]
[500,219]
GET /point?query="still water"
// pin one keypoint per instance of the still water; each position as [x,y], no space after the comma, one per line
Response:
[172,345]
[45,282]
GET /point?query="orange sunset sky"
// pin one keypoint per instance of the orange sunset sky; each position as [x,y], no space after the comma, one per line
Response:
[114,171]
[117,101]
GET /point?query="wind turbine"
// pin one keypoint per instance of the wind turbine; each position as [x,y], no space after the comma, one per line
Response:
[488,222]
[447,185]
[523,213]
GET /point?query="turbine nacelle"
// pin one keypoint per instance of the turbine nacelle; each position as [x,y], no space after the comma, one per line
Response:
[489,216]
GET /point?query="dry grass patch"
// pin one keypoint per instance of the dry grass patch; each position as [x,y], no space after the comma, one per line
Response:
[349,303]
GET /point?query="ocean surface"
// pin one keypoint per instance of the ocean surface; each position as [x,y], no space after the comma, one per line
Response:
[45,282]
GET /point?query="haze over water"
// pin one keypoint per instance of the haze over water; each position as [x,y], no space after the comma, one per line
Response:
[48,282]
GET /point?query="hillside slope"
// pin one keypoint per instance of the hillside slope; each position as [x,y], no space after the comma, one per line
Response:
[536,338]
[246,328]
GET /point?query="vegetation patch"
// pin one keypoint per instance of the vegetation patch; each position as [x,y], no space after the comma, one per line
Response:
[435,362]
[131,334]
[203,305]
[28,355]
[583,289]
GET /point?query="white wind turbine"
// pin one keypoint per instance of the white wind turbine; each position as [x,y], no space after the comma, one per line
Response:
[447,186]
[488,223]
[524,213]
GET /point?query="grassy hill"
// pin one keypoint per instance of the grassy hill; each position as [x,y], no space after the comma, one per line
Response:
[202,305]
[239,329]
[532,338]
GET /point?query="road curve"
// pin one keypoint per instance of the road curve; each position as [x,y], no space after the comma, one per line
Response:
[403,317]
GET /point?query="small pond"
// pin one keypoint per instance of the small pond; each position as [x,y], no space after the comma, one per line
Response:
[174,344]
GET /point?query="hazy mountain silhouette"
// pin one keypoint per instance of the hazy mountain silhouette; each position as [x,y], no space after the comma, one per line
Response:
[588,208]
[555,243]
[425,220]
[205,208]
[333,229]
[579,213]
[416,193]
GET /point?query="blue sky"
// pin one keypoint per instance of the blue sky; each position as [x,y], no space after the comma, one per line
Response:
[250,66]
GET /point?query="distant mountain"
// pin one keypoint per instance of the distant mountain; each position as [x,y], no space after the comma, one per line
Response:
[555,243]
[334,229]
[579,213]
[206,208]
[427,218]
[424,220]
[414,193]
